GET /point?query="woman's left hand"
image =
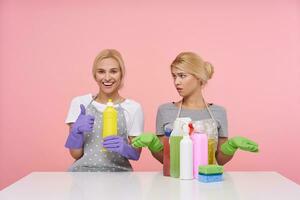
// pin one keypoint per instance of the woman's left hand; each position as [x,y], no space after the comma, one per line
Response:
[119,145]
[230,147]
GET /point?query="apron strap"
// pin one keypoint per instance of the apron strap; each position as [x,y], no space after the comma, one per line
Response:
[179,110]
[93,99]
[209,111]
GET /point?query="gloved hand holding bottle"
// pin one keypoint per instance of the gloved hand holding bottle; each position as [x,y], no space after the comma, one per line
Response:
[231,145]
[119,145]
[149,140]
[84,123]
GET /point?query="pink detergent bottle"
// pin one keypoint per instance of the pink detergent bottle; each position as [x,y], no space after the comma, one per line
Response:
[200,148]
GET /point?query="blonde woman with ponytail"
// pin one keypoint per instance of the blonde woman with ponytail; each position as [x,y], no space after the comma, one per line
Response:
[190,74]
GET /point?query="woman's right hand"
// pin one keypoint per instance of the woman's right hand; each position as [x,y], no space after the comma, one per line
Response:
[84,123]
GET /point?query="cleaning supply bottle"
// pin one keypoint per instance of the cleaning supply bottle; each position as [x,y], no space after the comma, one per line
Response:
[211,151]
[200,147]
[175,155]
[186,155]
[212,146]
[175,139]
[166,159]
[110,117]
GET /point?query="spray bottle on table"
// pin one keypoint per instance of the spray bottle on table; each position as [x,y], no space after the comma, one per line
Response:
[186,155]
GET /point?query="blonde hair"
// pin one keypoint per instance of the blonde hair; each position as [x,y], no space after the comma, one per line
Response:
[109,53]
[193,64]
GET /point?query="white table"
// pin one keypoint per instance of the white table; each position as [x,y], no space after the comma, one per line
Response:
[149,185]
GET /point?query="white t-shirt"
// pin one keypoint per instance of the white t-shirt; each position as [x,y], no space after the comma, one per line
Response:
[133,112]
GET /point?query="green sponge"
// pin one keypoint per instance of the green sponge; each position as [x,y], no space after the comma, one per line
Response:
[210,169]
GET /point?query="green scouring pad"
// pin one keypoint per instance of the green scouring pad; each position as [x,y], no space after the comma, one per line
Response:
[210,169]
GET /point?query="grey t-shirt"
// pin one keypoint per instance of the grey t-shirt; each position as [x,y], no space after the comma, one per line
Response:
[167,114]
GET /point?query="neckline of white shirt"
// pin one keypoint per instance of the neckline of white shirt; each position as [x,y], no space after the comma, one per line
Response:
[103,105]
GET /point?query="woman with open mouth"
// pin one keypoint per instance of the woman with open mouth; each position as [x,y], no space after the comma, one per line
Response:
[85,118]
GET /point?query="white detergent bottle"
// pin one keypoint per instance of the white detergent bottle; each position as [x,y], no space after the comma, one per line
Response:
[186,155]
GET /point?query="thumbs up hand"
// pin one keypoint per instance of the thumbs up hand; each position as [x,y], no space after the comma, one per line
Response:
[84,123]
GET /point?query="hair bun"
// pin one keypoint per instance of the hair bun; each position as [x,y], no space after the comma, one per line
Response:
[209,69]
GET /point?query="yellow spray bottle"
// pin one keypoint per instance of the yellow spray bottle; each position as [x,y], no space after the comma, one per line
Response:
[110,117]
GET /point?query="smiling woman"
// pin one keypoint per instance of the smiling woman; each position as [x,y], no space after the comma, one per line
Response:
[85,121]
[108,75]
[108,69]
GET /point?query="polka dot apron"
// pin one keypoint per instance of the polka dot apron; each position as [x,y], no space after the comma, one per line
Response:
[94,159]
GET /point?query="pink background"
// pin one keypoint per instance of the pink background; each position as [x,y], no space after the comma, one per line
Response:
[47,50]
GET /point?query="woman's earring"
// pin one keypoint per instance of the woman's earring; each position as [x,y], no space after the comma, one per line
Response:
[201,84]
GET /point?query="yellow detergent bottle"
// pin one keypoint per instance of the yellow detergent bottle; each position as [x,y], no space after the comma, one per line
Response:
[110,117]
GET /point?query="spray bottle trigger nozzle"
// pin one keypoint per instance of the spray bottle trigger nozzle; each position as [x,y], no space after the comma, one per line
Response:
[191,128]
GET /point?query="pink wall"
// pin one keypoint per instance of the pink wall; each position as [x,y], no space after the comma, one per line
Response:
[47,50]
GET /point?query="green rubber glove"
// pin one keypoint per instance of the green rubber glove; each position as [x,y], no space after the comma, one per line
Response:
[231,145]
[149,140]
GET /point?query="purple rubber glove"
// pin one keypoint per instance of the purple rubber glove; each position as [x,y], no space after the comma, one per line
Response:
[119,145]
[84,123]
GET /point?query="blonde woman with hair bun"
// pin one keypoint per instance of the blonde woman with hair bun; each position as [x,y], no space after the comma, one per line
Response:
[190,74]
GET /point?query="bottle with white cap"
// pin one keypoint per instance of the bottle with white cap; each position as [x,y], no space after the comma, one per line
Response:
[186,155]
